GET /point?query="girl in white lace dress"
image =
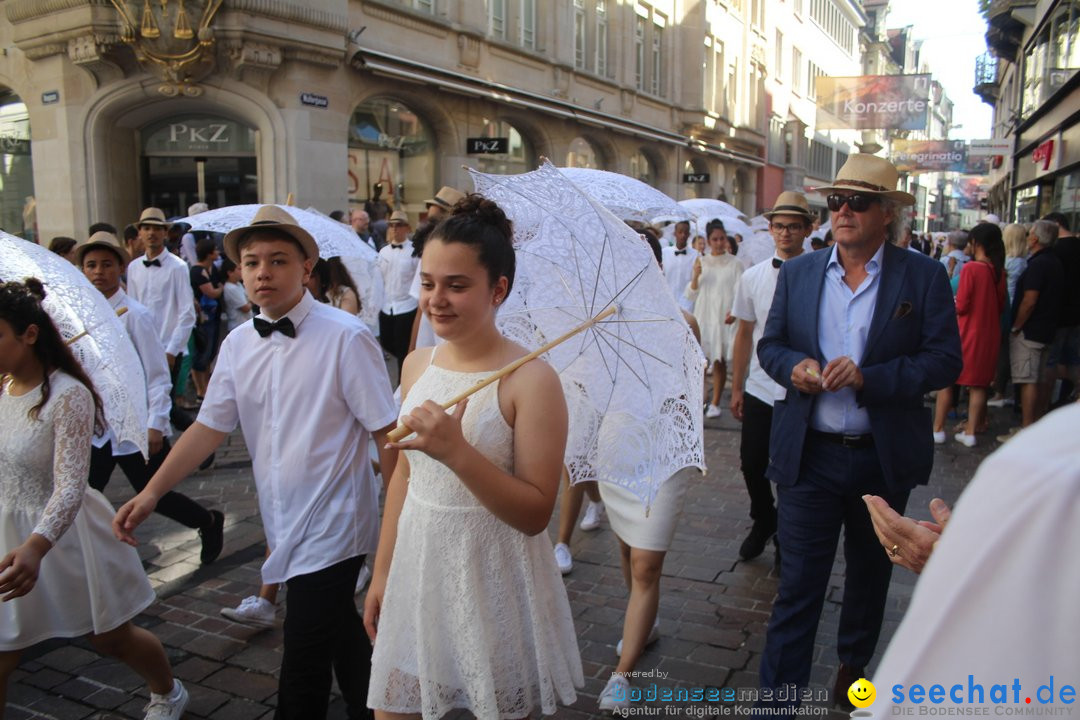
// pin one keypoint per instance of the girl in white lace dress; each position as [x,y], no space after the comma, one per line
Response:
[62,573]
[467,608]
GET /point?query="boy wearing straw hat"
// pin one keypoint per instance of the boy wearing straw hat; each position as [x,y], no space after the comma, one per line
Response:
[102,259]
[856,335]
[398,268]
[308,386]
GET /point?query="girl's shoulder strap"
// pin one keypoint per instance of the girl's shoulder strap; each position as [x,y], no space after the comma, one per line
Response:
[431,360]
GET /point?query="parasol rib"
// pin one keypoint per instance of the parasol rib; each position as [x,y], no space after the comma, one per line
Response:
[73,338]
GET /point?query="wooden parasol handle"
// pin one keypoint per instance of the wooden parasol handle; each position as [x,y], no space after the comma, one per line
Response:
[289,199]
[73,338]
[399,433]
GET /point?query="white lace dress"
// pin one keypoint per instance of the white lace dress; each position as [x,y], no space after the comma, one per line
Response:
[89,582]
[475,613]
[712,303]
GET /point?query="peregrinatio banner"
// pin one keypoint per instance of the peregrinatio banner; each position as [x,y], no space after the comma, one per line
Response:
[917,156]
[873,102]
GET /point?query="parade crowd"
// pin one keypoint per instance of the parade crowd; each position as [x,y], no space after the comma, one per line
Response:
[846,358]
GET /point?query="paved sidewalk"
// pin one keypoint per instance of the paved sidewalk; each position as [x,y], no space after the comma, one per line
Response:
[713,608]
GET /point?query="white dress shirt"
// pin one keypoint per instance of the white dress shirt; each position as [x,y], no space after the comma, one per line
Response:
[235,298]
[187,249]
[398,267]
[166,293]
[753,298]
[141,328]
[307,406]
[677,270]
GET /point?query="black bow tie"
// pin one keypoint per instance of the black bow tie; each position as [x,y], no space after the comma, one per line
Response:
[777,262]
[680,252]
[397,247]
[283,326]
[148,263]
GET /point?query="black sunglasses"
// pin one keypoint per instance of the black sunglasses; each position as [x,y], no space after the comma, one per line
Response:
[858,202]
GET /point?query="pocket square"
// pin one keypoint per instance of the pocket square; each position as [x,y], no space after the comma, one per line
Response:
[904,309]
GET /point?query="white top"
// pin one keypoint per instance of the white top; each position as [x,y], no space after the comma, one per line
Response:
[235,298]
[997,600]
[398,267]
[140,326]
[166,292]
[187,249]
[307,406]
[753,298]
[677,271]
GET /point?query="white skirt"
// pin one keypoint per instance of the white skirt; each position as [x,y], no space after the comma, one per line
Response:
[626,512]
[89,582]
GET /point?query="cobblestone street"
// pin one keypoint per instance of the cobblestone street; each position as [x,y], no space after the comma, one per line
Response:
[713,608]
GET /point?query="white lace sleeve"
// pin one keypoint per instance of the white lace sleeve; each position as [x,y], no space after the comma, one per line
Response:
[73,424]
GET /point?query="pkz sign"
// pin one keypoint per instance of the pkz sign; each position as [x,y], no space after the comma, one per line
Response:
[198,136]
[695,178]
[487,146]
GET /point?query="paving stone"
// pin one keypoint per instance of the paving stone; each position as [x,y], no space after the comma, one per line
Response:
[251,685]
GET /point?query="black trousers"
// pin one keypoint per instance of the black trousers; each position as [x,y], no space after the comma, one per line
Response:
[173,505]
[323,631]
[395,331]
[178,416]
[754,456]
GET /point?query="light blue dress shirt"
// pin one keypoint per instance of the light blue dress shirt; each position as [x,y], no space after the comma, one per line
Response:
[843,323]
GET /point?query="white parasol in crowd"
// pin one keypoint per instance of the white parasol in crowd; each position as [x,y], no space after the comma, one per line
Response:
[625,197]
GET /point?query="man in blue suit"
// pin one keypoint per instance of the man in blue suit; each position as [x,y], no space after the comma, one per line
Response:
[856,335]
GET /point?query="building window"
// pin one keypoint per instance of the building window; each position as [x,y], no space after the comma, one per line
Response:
[642,169]
[798,7]
[582,154]
[518,158]
[732,94]
[796,70]
[656,81]
[527,25]
[813,72]
[601,37]
[390,144]
[17,214]
[497,18]
[427,6]
[579,34]
[834,23]
[779,69]
[639,52]
[821,156]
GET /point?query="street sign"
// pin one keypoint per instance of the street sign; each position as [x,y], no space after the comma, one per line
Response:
[50,97]
[695,178]
[487,146]
[995,146]
[314,100]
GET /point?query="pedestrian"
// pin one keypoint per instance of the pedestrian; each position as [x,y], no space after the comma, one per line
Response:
[308,386]
[789,224]
[102,259]
[956,257]
[678,260]
[1014,237]
[443,203]
[64,247]
[466,607]
[856,335]
[237,305]
[188,241]
[712,288]
[361,223]
[341,291]
[208,286]
[62,574]
[1064,357]
[398,267]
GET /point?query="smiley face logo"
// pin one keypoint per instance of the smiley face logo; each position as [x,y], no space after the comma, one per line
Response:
[862,693]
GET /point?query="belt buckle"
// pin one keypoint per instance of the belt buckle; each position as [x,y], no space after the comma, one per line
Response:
[850,441]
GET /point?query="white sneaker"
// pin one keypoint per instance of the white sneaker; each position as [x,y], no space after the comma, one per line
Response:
[654,635]
[965,439]
[594,513]
[713,411]
[168,707]
[999,402]
[615,697]
[563,558]
[252,610]
[939,437]
[362,579]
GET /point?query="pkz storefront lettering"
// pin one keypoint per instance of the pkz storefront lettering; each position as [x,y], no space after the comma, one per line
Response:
[191,134]
[487,146]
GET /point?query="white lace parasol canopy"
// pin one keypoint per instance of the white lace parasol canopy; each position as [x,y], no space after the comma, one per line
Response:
[627,198]
[103,348]
[632,382]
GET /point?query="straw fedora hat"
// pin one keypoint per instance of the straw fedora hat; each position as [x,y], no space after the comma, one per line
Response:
[869,173]
[790,202]
[447,197]
[102,239]
[271,217]
[153,216]
[398,217]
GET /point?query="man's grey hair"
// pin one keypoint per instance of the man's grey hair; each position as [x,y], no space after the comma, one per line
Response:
[958,239]
[895,230]
[1045,231]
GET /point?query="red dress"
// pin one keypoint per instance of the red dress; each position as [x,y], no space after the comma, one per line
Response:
[979,303]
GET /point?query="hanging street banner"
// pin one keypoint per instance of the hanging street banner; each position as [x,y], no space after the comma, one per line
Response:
[873,102]
[920,156]
[995,146]
[969,191]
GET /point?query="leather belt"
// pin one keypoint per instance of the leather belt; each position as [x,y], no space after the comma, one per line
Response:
[850,441]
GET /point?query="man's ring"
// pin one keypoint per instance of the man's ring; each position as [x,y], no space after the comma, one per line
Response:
[894,551]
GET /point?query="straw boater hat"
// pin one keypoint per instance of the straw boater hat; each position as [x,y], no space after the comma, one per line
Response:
[869,173]
[791,203]
[152,216]
[102,239]
[446,198]
[271,217]
[398,217]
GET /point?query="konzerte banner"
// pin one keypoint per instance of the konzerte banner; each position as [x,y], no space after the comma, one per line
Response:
[873,102]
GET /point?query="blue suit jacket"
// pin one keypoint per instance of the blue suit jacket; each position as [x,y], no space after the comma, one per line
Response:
[913,346]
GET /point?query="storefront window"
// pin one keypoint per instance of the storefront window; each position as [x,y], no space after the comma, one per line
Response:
[390,145]
[1067,197]
[1053,57]
[519,157]
[642,169]
[693,190]
[17,204]
[582,154]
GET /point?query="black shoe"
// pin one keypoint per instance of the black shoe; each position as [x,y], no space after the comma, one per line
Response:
[845,675]
[755,542]
[207,462]
[213,537]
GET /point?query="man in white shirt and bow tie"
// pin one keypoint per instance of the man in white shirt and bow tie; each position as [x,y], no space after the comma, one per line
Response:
[679,263]
[398,266]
